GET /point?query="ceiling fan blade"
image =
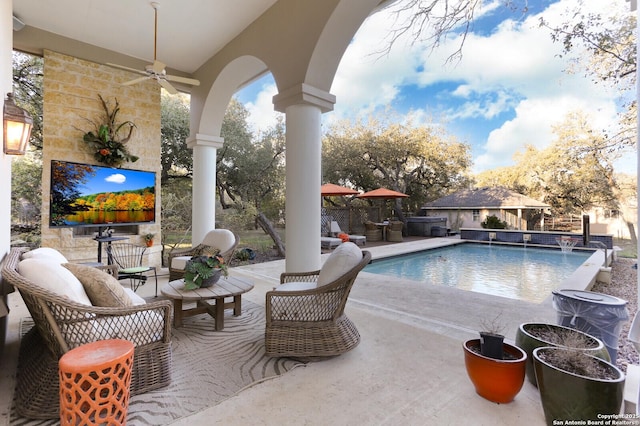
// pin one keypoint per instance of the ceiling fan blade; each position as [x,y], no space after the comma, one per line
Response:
[167,86]
[185,80]
[134,81]
[127,68]
[158,67]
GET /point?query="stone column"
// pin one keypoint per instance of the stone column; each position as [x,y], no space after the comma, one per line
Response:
[203,207]
[303,106]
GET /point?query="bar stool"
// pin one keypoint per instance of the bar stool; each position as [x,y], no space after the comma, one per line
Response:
[94,383]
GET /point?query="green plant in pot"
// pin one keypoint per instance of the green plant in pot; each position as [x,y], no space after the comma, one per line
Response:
[534,335]
[148,239]
[204,271]
[577,387]
[107,139]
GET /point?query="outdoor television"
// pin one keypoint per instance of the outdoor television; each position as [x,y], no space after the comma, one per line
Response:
[90,195]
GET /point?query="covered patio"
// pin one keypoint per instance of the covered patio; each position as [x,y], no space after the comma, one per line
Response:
[408,368]
[224,46]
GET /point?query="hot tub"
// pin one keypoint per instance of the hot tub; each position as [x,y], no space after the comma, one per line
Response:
[420,226]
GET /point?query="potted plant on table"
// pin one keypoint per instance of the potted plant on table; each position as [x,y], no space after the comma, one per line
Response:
[204,271]
[496,373]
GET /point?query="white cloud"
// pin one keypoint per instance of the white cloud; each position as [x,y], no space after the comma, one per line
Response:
[262,114]
[513,71]
[116,178]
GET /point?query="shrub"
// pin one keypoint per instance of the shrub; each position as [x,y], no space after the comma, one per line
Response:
[493,222]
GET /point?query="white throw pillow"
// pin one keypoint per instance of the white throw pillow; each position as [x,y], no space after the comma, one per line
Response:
[45,253]
[344,257]
[51,275]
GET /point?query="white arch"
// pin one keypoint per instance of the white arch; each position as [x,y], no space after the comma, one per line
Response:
[233,76]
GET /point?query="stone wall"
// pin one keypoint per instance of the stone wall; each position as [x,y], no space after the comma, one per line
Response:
[71,89]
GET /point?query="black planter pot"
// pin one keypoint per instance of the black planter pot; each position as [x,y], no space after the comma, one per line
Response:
[567,396]
[528,340]
[491,345]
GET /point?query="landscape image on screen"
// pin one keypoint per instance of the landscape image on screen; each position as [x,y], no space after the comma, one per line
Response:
[88,195]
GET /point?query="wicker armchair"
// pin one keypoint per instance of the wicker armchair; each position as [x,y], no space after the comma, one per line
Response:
[61,325]
[372,231]
[311,324]
[394,231]
[218,241]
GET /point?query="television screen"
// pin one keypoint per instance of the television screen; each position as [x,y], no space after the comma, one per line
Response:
[89,195]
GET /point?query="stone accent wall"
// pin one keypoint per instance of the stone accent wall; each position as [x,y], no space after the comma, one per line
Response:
[71,89]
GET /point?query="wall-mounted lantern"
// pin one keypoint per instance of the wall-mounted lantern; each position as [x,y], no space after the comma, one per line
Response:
[17,124]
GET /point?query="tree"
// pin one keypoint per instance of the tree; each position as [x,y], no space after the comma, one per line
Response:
[176,158]
[27,91]
[26,198]
[419,161]
[238,146]
[611,47]
[572,175]
[432,21]
[249,170]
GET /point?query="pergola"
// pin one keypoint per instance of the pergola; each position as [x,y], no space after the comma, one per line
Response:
[225,45]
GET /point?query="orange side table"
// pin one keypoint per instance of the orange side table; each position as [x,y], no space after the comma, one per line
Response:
[94,383]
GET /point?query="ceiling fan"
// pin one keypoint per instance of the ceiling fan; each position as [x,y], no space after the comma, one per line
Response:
[156,71]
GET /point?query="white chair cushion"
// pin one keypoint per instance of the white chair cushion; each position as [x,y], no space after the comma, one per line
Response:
[45,253]
[51,275]
[102,289]
[222,239]
[296,286]
[344,257]
[180,262]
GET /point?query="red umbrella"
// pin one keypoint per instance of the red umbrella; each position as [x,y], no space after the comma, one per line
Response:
[330,189]
[382,193]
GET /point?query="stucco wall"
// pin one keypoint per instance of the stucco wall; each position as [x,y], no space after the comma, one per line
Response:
[71,89]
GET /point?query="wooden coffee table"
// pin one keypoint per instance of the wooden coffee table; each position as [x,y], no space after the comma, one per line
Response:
[225,288]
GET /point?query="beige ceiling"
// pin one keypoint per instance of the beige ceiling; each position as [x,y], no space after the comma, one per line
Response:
[189,31]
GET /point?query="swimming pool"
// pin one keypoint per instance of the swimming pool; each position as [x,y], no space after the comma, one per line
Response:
[519,273]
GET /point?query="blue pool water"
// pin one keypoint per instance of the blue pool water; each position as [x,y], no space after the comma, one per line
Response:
[518,273]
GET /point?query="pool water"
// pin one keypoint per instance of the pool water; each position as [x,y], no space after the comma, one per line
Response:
[519,273]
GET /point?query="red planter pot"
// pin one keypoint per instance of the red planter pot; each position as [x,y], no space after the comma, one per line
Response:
[498,380]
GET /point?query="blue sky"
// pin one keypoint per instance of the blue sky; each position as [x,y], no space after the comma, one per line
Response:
[114,180]
[508,90]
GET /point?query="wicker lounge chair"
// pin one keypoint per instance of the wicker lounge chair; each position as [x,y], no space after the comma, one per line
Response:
[329,243]
[218,241]
[334,231]
[305,316]
[61,325]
